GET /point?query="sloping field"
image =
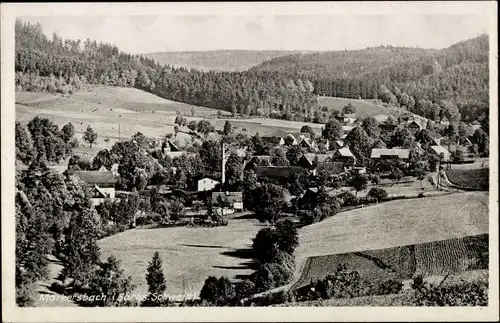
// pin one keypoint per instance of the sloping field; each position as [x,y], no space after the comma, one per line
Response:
[437,258]
[115,112]
[476,179]
[397,223]
[189,255]
[363,108]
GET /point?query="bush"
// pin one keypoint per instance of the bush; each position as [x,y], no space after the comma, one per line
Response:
[280,297]
[343,283]
[462,294]
[348,199]
[219,292]
[378,194]
[271,275]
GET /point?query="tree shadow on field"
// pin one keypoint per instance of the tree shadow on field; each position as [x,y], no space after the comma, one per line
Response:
[244,253]
[201,246]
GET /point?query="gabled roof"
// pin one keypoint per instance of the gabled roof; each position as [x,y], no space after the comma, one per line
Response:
[308,142]
[321,157]
[101,192]
[344,152]
[272,140]
[417,122]
[399,152]
[96,177]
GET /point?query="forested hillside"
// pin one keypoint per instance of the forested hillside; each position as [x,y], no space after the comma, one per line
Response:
[59,65]
[451,83]
[458,74]
[217,60]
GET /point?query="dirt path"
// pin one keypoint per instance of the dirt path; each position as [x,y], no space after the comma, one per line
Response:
[46,297]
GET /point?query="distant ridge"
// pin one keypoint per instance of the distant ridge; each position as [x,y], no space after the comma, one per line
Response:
[219,60]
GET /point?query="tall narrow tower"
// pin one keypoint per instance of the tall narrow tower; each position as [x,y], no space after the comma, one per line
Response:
[223,180]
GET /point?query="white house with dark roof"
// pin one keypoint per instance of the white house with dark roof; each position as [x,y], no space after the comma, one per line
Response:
[206,184]
[100,183]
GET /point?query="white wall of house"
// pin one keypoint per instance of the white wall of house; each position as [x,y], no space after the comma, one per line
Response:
[238,205]
[108,190]
[206,184]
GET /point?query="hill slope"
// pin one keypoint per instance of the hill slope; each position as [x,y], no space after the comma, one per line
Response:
[459,74]
[217,60]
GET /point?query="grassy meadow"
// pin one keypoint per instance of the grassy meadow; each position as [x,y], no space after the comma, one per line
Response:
[364,108]
[397,223]
[189,255]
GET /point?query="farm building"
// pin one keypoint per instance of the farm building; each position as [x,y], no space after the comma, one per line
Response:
[308,143]
[438,150]
[415,125]
[344,155]
[307,160]
[206,184]
[235,199]
[279,171]
[394,153]
[273,140]
[101,184]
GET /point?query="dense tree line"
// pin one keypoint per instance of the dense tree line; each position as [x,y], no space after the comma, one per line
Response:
[58,65]
[458,74]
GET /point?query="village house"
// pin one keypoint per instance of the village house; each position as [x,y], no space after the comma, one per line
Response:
[307,160]
[100,183]
[273,141]
[170,149]
[390,154]
[438,150]
[309,144]
[206,184]
[415,126]
[345,156]
[235,199]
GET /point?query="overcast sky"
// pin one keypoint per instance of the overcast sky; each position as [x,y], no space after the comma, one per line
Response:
[145,34]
